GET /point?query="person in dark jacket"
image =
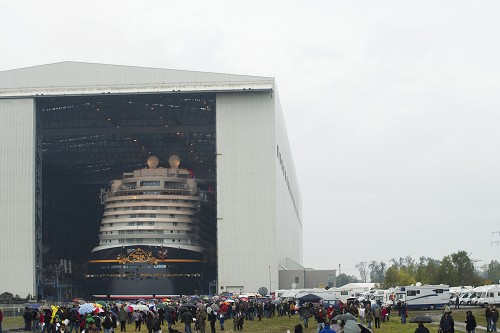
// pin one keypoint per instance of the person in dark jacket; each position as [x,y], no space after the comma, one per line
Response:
[446,324]
[470,322]
[487,316]
[421,328]
[494,318]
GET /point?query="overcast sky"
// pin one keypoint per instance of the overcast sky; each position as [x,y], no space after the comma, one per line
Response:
[392,107]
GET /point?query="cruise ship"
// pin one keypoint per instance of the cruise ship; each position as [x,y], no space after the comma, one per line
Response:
[157,235]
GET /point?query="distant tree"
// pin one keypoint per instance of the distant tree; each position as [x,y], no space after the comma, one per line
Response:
[6,296]
[426,270]
[391,277]
[464,268]
[493,271]
[344,279]
[446,272]
[363,271]
[377,271]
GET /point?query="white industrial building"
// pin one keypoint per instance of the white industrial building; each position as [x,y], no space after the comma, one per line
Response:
[66,128]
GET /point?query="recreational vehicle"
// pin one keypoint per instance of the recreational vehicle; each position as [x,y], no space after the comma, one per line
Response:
[423,296]
[489,296]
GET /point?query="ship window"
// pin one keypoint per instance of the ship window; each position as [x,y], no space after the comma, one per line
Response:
[172,216]
[150,183]
[177,208]
[121,241]
[121,232]
[173,240]
[152,215]
[151,223]
[140,223]
[171,231]
[131,223]
[117,216]
[133,216]
[175,223]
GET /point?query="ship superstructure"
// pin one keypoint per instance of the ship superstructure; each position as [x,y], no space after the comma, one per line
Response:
[152,230]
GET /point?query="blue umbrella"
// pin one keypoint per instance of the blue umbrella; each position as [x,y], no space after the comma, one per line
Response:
[86,308]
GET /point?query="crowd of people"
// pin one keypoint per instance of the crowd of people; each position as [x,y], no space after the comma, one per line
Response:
[208,316]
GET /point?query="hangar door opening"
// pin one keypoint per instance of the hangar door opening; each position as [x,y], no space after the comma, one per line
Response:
[84,142]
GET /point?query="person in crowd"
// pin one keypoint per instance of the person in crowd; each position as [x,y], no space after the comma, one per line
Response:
[369,316]
[298,328]
[457,302]
[446,324]
[222,319]
[470,322]
[494,318]
[28,316]
[107,322]
[362,312]
[74,321]
[376,315]
[150,322]
[136,316]
[383,314]
[161,315]
[388,312]
[421,328]
[122,318]
[1,319]
[240,322]
[403,312]
[327,329]
[320,318]
[212,318]
[93,328]
[201,318]
[187,319]
[487,316]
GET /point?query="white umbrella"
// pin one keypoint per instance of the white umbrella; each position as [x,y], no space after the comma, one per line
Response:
[351,326]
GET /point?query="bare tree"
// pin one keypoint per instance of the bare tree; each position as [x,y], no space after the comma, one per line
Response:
[363,270]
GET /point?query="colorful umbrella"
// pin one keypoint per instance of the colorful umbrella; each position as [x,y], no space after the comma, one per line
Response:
[86,308]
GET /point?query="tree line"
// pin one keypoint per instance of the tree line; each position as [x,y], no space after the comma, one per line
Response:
[456,269]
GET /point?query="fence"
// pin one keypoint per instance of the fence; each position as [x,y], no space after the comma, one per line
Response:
[12,318]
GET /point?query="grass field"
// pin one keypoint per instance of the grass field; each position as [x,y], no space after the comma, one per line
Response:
[282,324]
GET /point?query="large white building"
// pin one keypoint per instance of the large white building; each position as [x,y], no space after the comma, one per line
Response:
[68,128]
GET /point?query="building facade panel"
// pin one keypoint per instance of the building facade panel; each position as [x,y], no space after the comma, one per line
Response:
[246,210]
[17,200]
[288,198]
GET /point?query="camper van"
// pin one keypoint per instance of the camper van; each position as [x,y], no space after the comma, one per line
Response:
[489,296]
[423,296]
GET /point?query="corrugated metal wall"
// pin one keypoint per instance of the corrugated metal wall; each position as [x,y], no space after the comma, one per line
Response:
[246,197]
[17,196]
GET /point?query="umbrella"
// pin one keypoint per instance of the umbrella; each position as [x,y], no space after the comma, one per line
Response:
[310,298]
[161,305]
[421,319]
[86,308]
[79,301]
[364,329]
[351,326]
[229,300]
[140,307]
[188,305]
[33,306]
[344,317]
[215,307]
[102,303]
